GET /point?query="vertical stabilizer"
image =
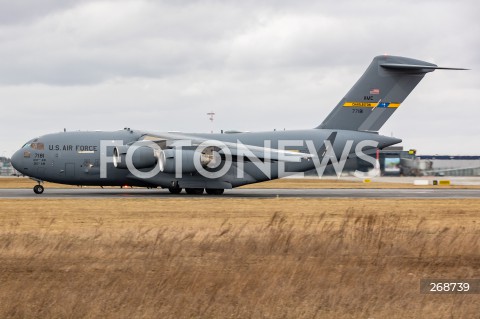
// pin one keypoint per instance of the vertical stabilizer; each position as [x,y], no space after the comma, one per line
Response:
[378,93]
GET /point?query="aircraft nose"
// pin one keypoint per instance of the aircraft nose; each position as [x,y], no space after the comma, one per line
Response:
[17,160]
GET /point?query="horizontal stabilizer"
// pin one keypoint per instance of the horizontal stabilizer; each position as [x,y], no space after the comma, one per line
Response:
[398,66]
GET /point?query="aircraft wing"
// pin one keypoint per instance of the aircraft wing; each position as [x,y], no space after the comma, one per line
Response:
[172,140]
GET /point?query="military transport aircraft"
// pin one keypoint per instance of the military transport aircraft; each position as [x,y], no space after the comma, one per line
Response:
[215,162]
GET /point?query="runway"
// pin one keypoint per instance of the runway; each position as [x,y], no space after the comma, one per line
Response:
[86,193]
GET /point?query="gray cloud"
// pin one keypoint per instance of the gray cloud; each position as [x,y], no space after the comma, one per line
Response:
[95,41]
[25,11]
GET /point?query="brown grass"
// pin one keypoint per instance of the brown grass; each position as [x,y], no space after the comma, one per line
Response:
[217,258]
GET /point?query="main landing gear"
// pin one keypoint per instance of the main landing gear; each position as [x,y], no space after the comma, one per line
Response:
[175,189]
[214,191]
[209,191]
[196,191]
[38,189]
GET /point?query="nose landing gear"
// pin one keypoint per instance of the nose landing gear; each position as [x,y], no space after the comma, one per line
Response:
[38,189]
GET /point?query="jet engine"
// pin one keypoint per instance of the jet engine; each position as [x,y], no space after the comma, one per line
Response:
[142,157]
[184,160]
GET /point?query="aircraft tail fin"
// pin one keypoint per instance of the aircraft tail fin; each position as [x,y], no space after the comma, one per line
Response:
[378,93]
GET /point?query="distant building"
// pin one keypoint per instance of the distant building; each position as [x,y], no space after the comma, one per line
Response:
[6,168]
[442,165]
[389,162]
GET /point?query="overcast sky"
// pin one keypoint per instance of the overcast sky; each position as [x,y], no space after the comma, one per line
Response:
[259,65]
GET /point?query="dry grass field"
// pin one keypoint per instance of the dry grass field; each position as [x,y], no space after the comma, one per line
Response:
[235,258]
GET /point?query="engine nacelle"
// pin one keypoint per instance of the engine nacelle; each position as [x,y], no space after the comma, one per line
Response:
[168,160]
[142,157]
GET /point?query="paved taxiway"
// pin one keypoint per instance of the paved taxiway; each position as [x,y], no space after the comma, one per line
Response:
[244,193]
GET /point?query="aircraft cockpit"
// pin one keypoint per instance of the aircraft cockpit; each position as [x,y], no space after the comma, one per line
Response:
[34,144]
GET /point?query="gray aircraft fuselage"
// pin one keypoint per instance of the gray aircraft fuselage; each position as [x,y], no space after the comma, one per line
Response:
[74,157]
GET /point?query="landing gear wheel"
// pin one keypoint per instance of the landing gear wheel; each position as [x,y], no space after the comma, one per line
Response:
[214,191]
[38,189]
[175,190]
[194,191]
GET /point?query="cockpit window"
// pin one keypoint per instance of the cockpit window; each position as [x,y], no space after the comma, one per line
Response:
[37,146]
[34,145]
